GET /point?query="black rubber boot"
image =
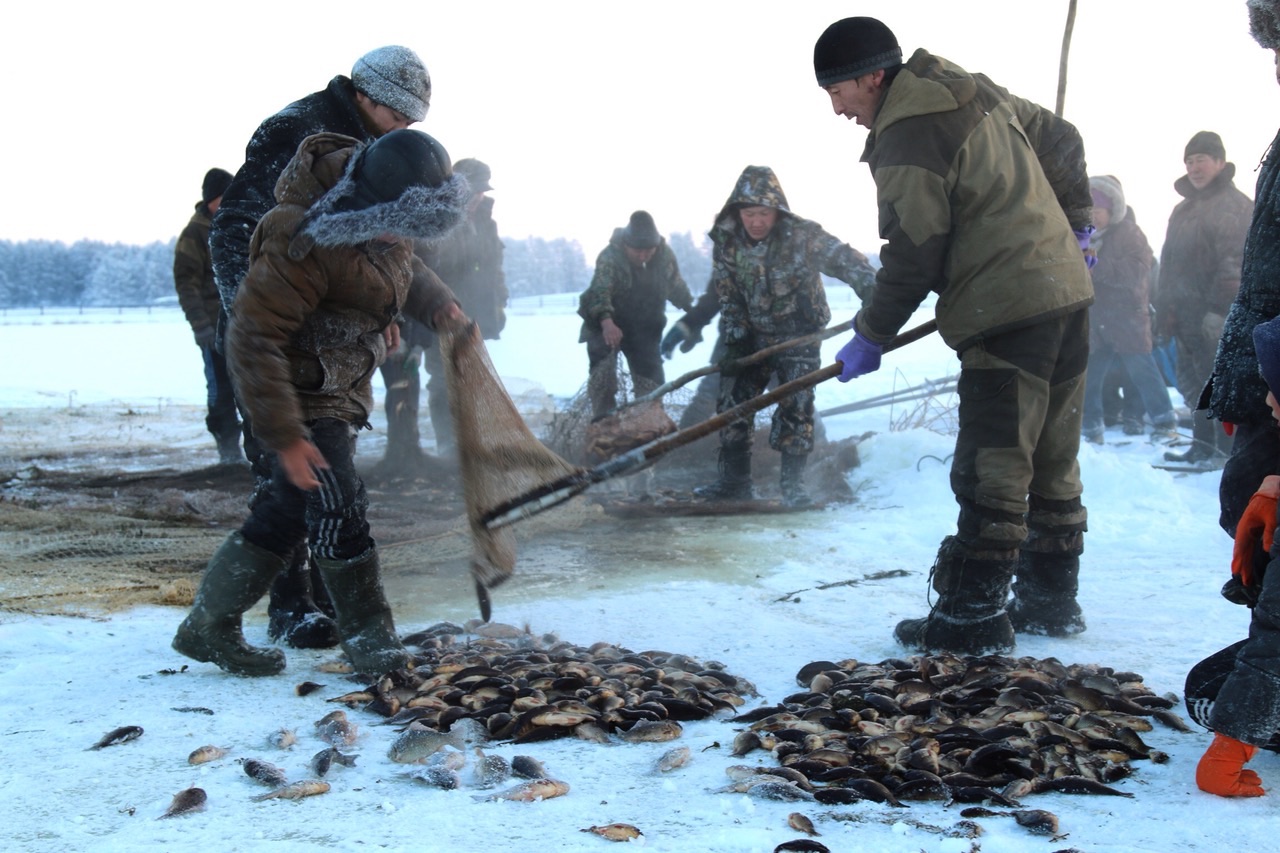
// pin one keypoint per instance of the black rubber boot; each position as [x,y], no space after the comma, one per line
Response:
[793,490]
[296,619]
[969,616]
[236,577]
[363,614]
[1044,594]
[735,477]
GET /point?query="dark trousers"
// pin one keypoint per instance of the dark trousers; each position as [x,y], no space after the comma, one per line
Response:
[1144,378]
[1255,453]
[219,399]
[332,518]
[792,428]
[643,360]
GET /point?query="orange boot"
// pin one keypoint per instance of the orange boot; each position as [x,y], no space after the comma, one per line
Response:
[1221,769]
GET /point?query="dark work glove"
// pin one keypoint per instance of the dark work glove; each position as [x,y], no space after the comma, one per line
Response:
[204,337]
[680,334]
[859,357]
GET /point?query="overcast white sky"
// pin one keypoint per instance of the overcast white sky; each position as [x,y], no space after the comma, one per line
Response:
[589,110]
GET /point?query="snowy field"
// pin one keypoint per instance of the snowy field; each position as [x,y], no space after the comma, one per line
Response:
[1153,564]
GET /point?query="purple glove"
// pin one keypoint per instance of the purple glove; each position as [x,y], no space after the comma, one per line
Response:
[859,357]
[1090,257]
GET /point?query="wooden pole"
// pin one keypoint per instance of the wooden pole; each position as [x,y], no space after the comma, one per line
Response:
[1062,62]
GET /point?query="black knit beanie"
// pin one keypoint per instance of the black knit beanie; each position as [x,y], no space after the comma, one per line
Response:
[852,47]
[396,161]
[215,184]
[641,232]
[1206,142]
[1266,343]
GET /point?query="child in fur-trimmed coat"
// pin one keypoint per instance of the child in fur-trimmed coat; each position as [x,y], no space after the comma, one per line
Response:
[331,269]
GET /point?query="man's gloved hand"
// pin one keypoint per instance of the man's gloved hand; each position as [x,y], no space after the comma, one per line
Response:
[1083,237]
[1257,526]
[1221,769]
[681,334]
[859,357]
[204,337]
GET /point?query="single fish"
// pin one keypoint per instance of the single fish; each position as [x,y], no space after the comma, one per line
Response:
[296,791]
[528,767]
[615,831]
[801,823]
[418,742]
[185,802]
[336,730]
[530,792]
[124,734]
[673,759]
[205,754]
[193,710]
[490,770]
[649,731]
[306,688]
[267,774]
[282,739]
[802,844]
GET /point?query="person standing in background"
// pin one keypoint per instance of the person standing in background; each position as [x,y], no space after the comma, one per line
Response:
[198,296]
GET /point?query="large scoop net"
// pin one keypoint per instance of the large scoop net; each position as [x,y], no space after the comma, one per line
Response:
[498,456]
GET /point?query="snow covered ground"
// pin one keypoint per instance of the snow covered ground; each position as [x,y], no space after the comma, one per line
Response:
[1154,561]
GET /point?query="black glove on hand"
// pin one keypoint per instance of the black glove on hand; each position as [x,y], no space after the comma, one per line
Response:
[677,334]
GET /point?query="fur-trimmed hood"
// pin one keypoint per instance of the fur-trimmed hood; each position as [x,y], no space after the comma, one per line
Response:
[320,178]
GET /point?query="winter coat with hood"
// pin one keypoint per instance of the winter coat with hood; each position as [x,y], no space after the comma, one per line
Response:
[1236,392]
[251,192]
[1120,320]
[978,193]
[774,291]
[193,274]
[1201,257]
[306,330]
[635,298]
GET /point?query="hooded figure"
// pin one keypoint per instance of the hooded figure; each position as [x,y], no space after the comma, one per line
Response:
[766,274]
[331,267]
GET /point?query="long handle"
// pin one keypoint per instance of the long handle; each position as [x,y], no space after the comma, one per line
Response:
[758,355]
[558,491]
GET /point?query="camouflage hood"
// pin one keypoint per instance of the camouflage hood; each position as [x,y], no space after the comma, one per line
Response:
[757,185]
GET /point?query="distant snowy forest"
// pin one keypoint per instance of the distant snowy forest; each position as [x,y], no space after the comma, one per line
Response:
[46,273]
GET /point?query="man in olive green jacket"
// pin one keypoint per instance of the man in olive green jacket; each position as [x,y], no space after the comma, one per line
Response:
[979,194]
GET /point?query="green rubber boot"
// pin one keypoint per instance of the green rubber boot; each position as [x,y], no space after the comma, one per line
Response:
[363,614]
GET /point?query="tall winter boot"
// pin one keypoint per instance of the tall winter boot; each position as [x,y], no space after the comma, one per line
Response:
[296,619]
[237,575]
[226,432]
[1044,593]
[969,616]
[363,614]
[735,477]
[793,490]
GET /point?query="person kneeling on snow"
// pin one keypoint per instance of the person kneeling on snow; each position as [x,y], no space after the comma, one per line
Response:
[1246,711]
[331,268]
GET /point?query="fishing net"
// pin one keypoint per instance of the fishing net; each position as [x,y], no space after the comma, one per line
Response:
[499,457]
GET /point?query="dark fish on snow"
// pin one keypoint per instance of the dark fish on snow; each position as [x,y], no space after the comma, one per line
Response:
[185,802]
[124,734]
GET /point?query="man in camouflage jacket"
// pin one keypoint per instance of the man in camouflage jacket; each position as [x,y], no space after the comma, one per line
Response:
[198,296]
[624,309]
[767,267]
[979,194]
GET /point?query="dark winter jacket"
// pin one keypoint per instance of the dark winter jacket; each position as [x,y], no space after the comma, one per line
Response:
[306,328]
[1236,392]
[979,192]
[252,192]
[636,299]
[193,274]
[1200,260]
[1120,320]
[469,260]
[773,291]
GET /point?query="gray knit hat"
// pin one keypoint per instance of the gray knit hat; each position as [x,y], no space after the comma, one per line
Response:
[1264,22]
[395,77]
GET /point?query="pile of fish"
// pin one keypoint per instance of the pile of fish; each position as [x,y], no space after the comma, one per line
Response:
[971,730]
[523,689]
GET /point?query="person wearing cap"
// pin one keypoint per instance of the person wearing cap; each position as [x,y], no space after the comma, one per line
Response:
[766,274]
[624,309]
[1199,276]
[198,296]
[469,261]
[1235,389]
[1120,320]
[984,200]
[331,267]
[389,88]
